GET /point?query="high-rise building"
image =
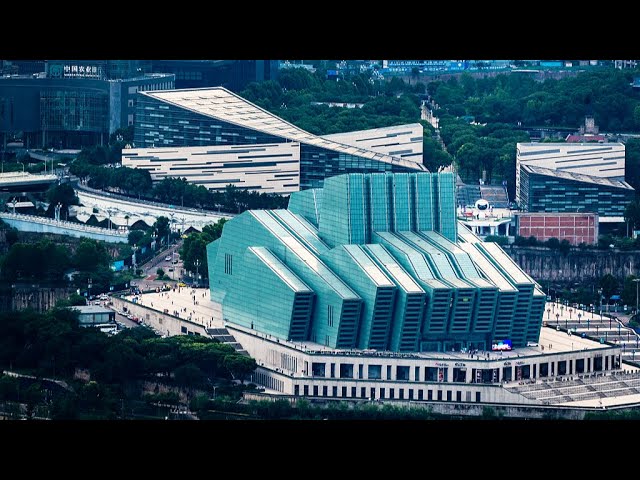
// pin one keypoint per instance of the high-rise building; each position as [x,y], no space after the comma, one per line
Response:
[372,261]
[74,103]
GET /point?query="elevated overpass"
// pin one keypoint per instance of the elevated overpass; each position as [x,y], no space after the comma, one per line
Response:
[117,205]
[31,223]
[25,182]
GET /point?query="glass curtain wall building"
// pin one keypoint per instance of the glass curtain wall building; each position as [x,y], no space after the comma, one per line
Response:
[216,116]
[372,261]
[546,190]
[70,112]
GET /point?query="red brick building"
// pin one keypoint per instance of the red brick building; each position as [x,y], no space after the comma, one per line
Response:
[575,227]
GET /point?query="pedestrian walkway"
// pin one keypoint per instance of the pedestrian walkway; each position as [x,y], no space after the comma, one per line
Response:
[191,304]
[601,328]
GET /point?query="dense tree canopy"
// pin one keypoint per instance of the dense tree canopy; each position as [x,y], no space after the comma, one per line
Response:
[606,94]
[47,262]
[53,344]
[194,247]
[44,261]
[296,94]
[609,285]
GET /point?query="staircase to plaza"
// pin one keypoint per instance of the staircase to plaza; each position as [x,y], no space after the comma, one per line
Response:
[223,336]
[586,387]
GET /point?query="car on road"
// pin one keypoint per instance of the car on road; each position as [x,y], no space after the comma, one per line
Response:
[167,258]
[182,284]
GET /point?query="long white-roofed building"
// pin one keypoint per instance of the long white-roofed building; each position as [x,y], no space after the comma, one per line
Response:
[168,121]
[404,141]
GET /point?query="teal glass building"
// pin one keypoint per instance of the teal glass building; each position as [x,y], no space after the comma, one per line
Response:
[372,261]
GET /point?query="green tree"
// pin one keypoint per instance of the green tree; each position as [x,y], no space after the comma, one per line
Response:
[73,300]
[564,247]
[194,247]
[122,137]
[632,214]
[629,291]
[240,366]
[499,239]
[90,255]
[199,402]
[189,376]
[11,235]
[135,237]
[8,388]
[32,396]
[214,230]
[553,243]
[43,261]
[609,285]
[161,228]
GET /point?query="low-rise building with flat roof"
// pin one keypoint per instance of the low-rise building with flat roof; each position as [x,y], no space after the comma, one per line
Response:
[94,315]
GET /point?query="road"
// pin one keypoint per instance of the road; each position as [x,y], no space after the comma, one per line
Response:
[149,269]
[127,323]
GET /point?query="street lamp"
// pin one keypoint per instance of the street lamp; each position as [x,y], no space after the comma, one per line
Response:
[557,318]
[600,295]
[133,258]
[636,280]
[57,209]
[579,317]
[172,214]
[570,310]
[197,264]
[548,313]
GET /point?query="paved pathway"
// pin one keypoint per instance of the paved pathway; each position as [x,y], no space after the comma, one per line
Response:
[188,303]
